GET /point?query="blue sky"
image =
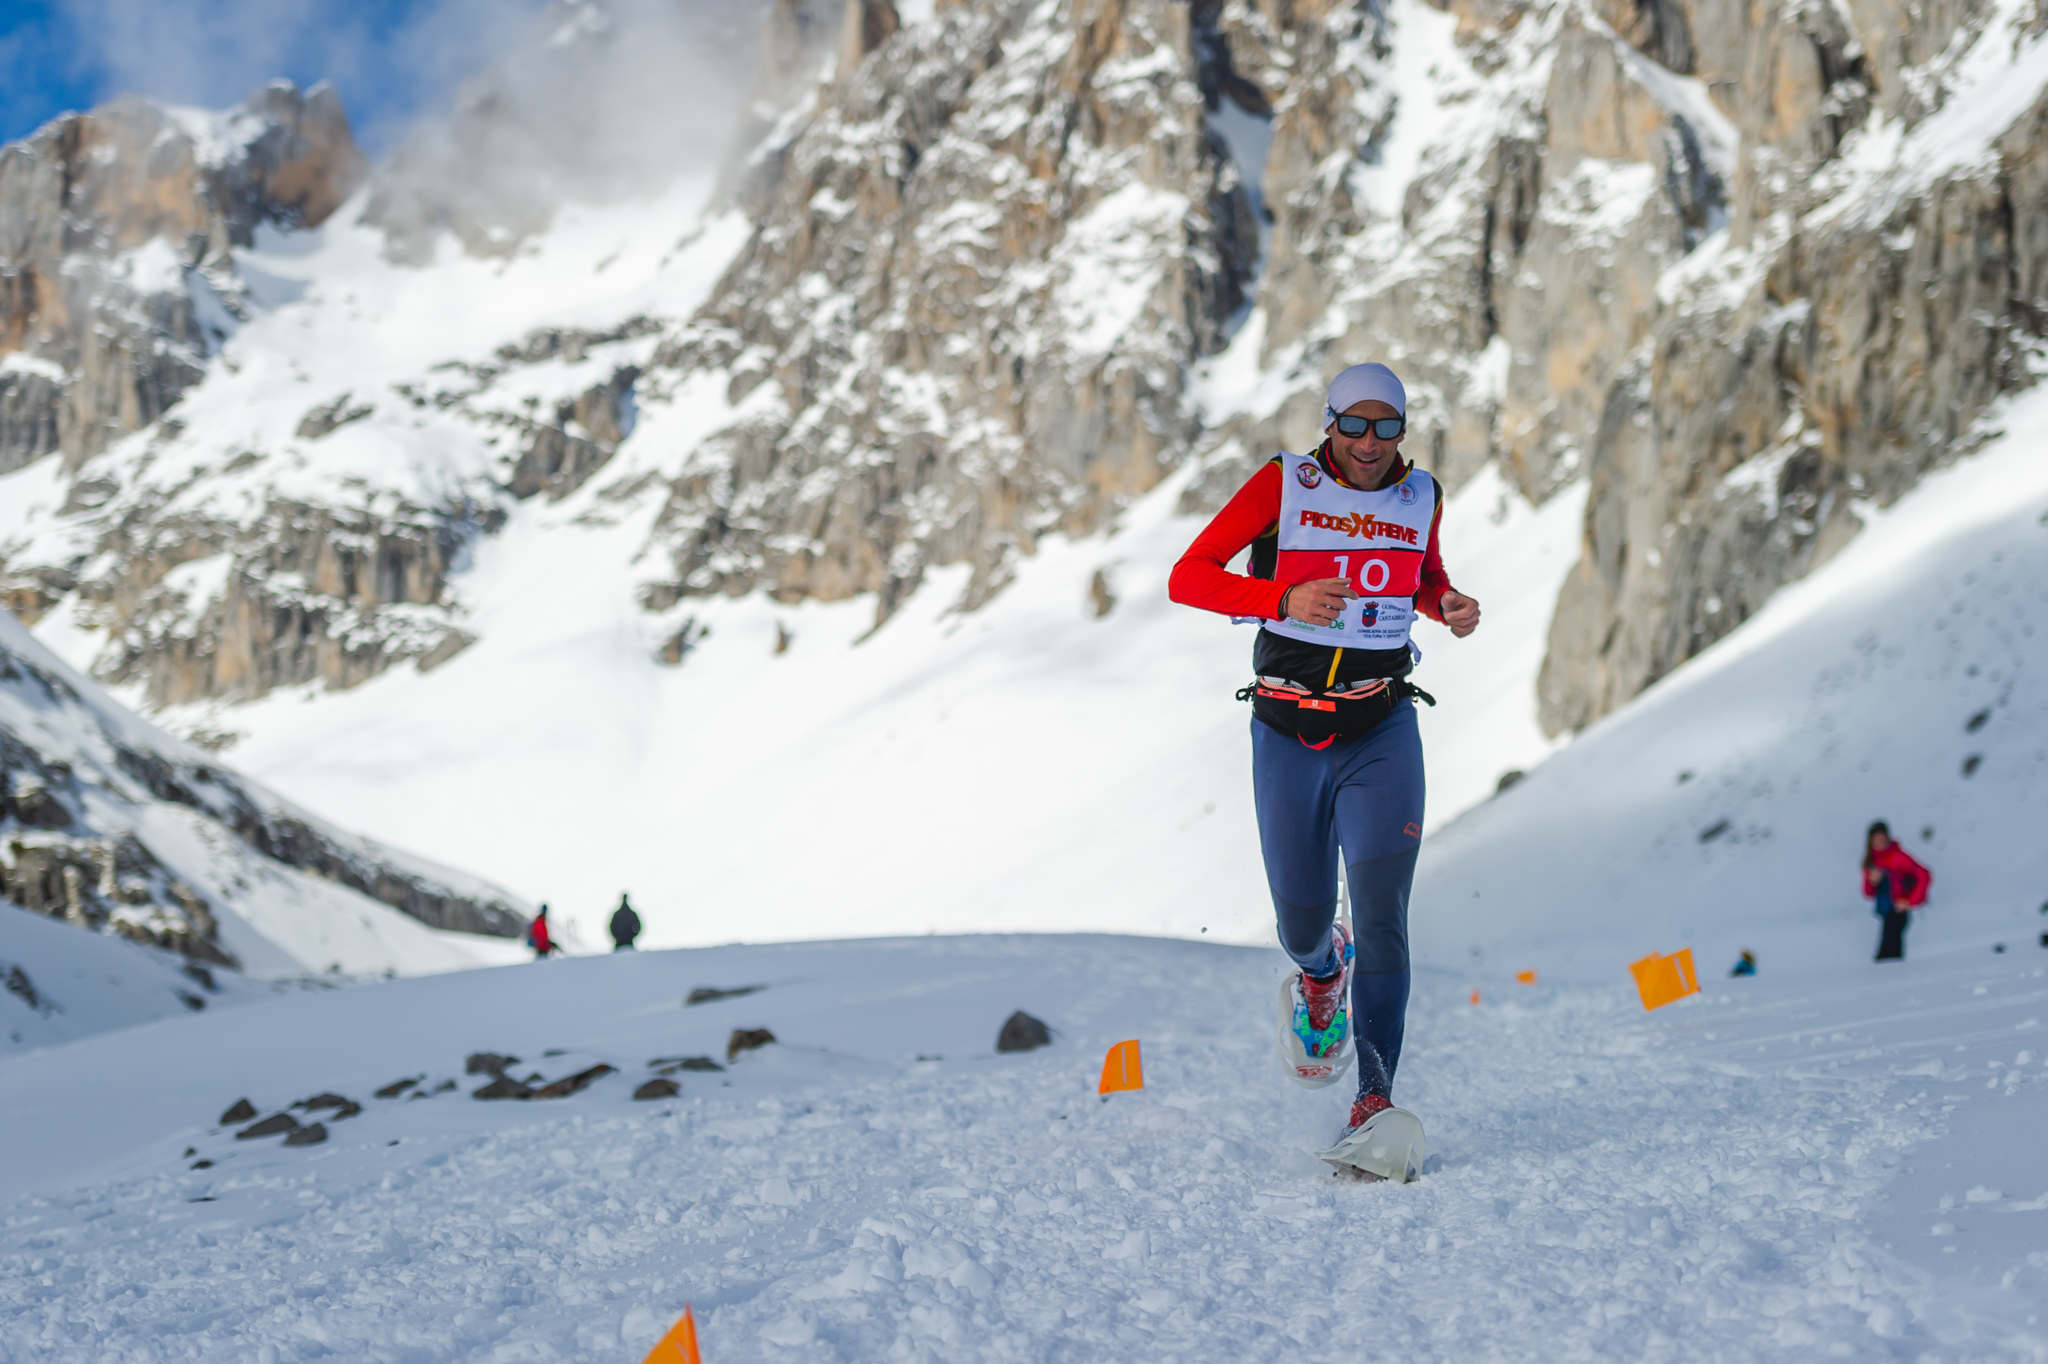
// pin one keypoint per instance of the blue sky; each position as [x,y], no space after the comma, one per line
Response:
[390,59]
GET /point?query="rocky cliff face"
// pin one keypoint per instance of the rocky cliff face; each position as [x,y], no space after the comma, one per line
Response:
[117,276]
[1617,242]
[981,271]
[1874,295]
[1737,268]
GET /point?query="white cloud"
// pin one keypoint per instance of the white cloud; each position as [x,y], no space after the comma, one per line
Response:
[605,99]
[388,64]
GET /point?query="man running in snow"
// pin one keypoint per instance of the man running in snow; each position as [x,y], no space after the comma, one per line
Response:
[1343,554]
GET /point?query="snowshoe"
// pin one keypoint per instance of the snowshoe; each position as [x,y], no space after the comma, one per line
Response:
[1382,1141]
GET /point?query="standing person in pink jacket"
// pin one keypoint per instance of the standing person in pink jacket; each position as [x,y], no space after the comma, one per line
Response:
[1896,883]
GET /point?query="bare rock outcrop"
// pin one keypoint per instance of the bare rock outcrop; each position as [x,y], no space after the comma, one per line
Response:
[1023,1032]
[866,26]
[956,336]
[1852,348]
[1638,252]
[560,456]
[116,266]
[269,1127]
[746,1039]
[305,593]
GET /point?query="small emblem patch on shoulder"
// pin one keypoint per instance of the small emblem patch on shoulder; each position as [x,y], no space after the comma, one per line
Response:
[1406,492]
[1309,472]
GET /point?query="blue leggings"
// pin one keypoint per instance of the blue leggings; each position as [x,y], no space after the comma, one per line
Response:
[1363,795]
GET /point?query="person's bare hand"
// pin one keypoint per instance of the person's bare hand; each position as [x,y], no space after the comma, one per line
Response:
[1319,601]
[1460,612]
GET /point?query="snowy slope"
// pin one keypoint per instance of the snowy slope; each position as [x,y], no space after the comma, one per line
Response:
[181,826]
[945,750]
[948,771]
[1835,1159]
[336,319]
[1026,767]
[1841,1163]
[1907,680]
[951,770]
[59,983]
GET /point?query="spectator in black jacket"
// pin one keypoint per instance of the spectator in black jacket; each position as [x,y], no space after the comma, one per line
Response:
[625,926]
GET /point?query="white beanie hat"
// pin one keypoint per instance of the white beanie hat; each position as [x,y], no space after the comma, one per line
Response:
[1361,383]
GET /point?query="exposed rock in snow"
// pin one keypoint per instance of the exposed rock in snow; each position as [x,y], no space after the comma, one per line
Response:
[1022,1032]
[503,1087]
[746,1039]
[711,994]
[268,1127]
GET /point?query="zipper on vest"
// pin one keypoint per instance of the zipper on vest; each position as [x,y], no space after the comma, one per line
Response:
[1331,680]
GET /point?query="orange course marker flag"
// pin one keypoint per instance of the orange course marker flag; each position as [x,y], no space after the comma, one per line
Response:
[1525,977]
[1662,980]
[1121,1069]
[679,1346]
[1475,996]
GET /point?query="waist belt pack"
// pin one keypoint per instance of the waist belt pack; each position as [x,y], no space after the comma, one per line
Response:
[1319,715]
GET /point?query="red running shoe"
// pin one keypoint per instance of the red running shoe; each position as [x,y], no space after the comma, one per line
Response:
[1365,1107]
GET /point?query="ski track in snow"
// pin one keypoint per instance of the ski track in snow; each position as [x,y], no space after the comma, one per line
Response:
[1712,1181]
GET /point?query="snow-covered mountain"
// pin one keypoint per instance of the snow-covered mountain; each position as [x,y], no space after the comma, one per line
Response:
[985,274]
[1906,680]
[786,542]
[782,539]
[109,823]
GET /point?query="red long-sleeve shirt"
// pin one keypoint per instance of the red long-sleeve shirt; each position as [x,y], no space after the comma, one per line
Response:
[1201,578]
[1910,880]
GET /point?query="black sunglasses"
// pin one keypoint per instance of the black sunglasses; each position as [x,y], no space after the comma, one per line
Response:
[1386,428]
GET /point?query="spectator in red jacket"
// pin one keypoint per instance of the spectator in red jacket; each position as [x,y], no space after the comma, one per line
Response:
[1896,883]
[538,938]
